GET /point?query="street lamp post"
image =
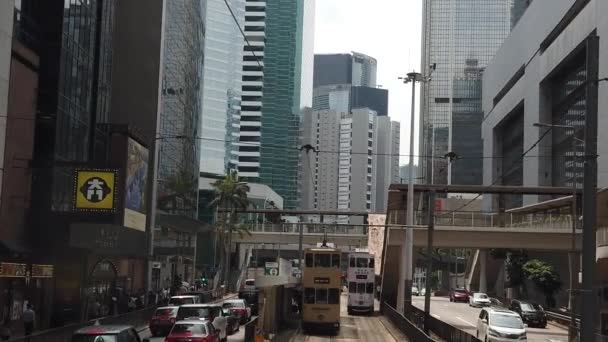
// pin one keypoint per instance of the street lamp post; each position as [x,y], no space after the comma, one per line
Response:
[572,254]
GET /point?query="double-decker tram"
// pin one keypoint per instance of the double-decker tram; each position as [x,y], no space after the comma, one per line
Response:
[360,277]
[321,286]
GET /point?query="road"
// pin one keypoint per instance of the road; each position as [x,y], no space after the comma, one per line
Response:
[461,316]
[239,336]
[358,328]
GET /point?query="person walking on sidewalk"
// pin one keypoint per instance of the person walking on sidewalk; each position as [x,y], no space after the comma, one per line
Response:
[29,319]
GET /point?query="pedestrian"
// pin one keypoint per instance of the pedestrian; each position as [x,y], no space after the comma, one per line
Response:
[29,319]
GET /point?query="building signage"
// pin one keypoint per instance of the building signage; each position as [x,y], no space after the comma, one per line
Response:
[95,190]
[42,271]
[108,239]
[361,276]
[271,268]
[318,280]
[135,186]
[12,270]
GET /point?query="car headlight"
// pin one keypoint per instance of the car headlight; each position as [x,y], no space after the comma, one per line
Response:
[494,333]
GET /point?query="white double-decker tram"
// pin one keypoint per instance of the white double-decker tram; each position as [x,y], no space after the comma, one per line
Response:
[361,283]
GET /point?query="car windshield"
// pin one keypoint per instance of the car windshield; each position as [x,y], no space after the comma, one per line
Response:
[234,305]
[202,312]
[480,296]
[189,329]
[94,338]
[460,291]
[527,307]
[506,321]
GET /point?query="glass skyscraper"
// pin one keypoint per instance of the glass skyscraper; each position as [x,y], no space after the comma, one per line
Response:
[222,82]
[178,165]
[460,37]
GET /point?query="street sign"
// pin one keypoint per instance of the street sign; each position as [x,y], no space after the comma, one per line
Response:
[271,268]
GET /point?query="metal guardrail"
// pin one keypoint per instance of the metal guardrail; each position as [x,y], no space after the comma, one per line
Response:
[408,328]
[497,220]
[441,329]
[310,228]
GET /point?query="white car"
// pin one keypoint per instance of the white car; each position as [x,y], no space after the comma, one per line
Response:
[479,299]
[500,325]
[423,291]
[415,291]
[209,312]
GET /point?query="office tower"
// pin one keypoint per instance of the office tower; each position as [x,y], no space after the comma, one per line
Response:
[517,10]
[355,68]
[459,39]
[181,103]
[221,83]
[271,98]
[387,160]
[334,97]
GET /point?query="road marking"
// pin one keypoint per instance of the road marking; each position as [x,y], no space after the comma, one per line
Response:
[436,316]
[474,326]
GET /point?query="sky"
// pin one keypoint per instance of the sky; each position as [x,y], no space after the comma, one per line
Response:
[388,30]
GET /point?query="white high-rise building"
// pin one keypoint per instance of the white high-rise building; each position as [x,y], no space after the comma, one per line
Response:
[246,154]
[222,83]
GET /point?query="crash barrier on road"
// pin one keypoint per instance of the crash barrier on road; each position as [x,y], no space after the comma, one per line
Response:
[439,328]
[139,318]
[250,329]
[408,328]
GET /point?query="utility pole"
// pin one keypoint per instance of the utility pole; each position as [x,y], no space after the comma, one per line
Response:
[589,300]
[429,265]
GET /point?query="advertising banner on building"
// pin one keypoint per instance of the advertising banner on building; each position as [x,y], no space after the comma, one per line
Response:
[135,186]
[375,242]
[95,190]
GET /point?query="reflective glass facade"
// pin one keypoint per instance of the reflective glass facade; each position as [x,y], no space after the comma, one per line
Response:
[181,105]
[456,34]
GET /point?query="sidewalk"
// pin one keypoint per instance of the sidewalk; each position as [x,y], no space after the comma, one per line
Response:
[388,325]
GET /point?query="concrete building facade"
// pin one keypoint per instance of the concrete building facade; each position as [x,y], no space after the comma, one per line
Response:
[387,160]
[537,76]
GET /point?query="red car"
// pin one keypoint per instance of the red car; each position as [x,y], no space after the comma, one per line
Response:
[239,308]
[193,330]
[459,295]
[163,320]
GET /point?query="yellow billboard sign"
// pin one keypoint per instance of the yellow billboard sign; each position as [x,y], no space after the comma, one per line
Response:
[95,190]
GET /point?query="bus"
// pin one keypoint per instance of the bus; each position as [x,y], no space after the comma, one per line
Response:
[361,283]
[321,287]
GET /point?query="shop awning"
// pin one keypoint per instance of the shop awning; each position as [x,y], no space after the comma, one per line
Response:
[14,246]
[183,223]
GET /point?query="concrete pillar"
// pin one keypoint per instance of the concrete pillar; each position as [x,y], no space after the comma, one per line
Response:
[402,276]
[483,282]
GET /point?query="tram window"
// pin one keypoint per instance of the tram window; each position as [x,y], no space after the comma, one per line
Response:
[362,262]
[309,259]
[361,288]
[322,260]
[335,260]
[352,287]
[371,263]
[352,262]
[334,296]
[309,295]
[369,288]
[321,297]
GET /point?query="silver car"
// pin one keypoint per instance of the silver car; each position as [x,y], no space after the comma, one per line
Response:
[479,299]
[500,325]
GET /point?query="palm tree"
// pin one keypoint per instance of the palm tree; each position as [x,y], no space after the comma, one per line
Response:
[230,196]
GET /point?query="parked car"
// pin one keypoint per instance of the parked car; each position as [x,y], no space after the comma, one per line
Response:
[232,322]
[193,330]
[181,300]
[531,313]
[251,296]
[210,312]
[459,295]
[479,299]
[163,319]
[422,291]
[240,308]
[113,333]
[249,284]
[500,325]
[415,291]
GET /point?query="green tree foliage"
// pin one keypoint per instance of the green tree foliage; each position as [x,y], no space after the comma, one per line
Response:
[544,277]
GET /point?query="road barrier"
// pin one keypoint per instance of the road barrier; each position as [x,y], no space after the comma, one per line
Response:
[408,328]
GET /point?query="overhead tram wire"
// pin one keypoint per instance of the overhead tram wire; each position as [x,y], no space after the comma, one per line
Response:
[236,21]
[247,143]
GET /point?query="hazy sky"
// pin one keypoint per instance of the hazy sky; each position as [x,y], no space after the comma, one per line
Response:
[388,30]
